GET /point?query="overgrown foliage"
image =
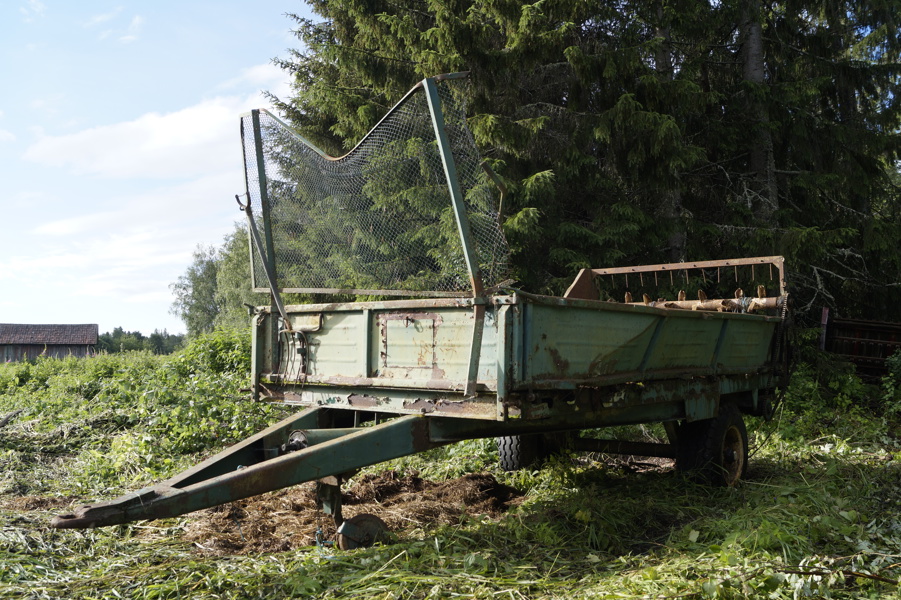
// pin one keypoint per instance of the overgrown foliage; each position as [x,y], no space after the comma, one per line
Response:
[119,415]
[817,516]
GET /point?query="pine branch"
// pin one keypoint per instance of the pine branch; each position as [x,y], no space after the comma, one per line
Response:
[376,55]
[403,7]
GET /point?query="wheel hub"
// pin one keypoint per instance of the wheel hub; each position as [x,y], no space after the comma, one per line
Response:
[733,455]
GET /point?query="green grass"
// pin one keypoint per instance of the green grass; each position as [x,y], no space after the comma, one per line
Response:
[817,517]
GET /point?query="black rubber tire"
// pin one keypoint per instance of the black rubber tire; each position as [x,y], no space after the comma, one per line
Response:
[517,452]
[715,450]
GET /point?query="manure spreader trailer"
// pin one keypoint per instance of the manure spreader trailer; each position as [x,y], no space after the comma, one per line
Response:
[390,326]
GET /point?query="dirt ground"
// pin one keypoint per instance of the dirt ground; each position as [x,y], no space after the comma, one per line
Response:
[35,503]
[289,518]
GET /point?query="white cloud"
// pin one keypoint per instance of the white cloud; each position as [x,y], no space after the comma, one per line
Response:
[49,105]
[189,143]
[134,29]
[126,35]
[113,248]
[5,135]
[127,254]
[263,74]
[32,10]
[73,226]
[103,18]
[173,212]
[26,198]
[268,77]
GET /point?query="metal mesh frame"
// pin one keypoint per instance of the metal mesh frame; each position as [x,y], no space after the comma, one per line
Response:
[378,220]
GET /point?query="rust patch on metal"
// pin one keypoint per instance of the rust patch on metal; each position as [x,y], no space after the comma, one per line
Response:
[452,407]
[561,365]
[602,365]
[420,434]
[426,406]
[422,303]
[289,396]
[383,334]
[426,353]
[383,382]
[362,401]
[422,405]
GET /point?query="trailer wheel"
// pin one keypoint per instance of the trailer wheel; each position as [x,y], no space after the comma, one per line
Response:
[361,531]
[518,452]
[715,450]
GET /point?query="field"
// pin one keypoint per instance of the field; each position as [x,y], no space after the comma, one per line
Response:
[818,515]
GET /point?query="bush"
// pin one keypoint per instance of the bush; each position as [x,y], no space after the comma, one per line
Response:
[224,350]
[129,418]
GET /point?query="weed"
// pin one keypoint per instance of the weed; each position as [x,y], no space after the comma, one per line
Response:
[817,517]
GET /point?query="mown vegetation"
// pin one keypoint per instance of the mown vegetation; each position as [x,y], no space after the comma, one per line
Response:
[817,516]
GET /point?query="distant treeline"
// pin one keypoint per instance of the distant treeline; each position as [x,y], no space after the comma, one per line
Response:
[158,342]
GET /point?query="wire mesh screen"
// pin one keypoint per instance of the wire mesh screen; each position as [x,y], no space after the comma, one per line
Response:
[379,218]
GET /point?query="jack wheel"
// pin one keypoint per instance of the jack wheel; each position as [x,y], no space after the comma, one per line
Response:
[361,531]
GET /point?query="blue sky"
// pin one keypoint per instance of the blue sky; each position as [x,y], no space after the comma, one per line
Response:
[120,150]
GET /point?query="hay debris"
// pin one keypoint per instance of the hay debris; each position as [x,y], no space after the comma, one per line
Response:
[289,519]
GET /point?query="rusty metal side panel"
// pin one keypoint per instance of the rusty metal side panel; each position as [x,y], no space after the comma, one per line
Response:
[866,344]
[335,349]
[431,348]
[262,359]
[448,403]
[571,344]
[412,346]
[746,344]
[684,343]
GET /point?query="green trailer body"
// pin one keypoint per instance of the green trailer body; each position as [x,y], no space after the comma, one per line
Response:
[413,357]
[419,348]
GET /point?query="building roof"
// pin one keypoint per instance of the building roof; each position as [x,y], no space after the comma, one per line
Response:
[14,333]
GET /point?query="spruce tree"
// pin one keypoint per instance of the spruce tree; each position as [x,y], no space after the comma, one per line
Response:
[634,132]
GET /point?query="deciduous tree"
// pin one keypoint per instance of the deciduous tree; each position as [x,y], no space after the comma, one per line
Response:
[195,292]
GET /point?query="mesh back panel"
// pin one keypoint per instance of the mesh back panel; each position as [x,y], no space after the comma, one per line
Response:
[378,218]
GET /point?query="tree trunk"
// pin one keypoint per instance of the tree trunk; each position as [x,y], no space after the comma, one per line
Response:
[672,196]
[762,192]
